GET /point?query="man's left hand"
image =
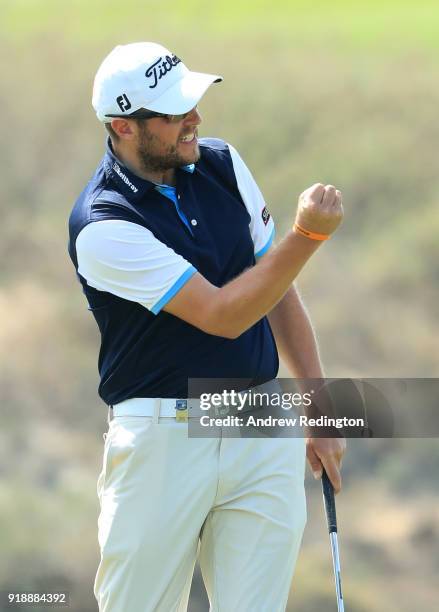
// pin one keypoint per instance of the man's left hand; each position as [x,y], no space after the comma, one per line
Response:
[326,453]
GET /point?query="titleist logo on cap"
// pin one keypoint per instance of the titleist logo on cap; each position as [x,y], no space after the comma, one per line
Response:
[160,68]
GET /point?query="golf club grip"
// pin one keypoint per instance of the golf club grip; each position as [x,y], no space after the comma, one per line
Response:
[328,496]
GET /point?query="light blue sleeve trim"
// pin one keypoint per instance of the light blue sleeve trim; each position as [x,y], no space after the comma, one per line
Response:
[174,289]
[267,245]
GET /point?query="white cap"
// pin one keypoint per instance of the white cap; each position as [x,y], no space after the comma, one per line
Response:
[146,75]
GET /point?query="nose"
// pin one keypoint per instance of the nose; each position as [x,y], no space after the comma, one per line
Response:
[194,117]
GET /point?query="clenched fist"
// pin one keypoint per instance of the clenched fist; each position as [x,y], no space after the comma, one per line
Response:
[320,209]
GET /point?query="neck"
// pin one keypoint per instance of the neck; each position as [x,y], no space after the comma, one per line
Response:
[130,161]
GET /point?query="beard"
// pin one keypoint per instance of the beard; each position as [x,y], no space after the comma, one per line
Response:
[153,155]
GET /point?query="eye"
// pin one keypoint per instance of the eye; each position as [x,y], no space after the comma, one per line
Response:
[176,118]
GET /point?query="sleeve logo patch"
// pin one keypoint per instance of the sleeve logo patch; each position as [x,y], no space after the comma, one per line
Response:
[265,215]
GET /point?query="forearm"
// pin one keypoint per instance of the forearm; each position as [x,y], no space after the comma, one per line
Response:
[295,337]
[297,346]
[253,294]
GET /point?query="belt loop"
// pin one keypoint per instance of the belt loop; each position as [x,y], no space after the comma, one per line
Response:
[157,406]
[110,414]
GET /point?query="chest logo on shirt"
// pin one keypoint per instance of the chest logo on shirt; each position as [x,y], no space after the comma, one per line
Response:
[265,215]
[162,66]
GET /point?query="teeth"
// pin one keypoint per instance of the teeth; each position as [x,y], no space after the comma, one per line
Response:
[188,138]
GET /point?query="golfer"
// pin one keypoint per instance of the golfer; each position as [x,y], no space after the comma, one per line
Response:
[172,242]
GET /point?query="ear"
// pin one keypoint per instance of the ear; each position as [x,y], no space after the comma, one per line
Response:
[123,128]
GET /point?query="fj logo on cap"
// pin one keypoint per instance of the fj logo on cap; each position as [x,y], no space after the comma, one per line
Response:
[158,69]
[123,103]
[265,215]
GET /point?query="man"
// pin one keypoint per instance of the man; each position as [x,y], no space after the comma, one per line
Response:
[172,243]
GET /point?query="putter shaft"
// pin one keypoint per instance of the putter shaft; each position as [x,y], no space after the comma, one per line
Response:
[336,565]
[331,516]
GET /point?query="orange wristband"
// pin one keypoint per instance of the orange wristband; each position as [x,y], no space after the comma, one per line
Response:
[311,235]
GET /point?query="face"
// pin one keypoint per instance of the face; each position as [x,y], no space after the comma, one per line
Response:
[163,145]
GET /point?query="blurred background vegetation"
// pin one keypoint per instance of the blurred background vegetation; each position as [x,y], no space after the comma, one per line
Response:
[343,92]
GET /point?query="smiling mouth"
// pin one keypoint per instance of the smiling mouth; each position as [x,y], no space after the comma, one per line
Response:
[189,138]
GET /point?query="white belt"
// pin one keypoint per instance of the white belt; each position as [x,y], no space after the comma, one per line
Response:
[157,407]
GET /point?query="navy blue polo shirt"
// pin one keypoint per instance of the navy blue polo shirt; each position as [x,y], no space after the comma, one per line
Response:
[135,244]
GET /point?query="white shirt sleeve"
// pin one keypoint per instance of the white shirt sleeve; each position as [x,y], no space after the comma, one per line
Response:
[261,224]
[127,260]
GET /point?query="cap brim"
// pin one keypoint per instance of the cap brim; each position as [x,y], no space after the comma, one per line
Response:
[185,94]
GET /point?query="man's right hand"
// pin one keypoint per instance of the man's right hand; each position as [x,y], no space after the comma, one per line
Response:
[320,209]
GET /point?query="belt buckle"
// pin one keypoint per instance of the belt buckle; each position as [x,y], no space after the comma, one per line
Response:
[181,411]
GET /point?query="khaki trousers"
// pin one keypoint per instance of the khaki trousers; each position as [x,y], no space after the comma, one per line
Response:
[237,503]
